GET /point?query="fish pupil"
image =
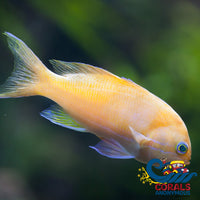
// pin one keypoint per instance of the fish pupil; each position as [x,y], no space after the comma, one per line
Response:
[182,148]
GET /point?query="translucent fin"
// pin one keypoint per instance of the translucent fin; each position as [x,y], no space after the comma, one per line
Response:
[112,149]
[138,137]
[26,70]
[58,116]
[62,68]
[129,80]
[141,139]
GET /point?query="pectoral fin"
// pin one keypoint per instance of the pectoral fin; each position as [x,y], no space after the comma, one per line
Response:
[58,116]
[112,149]
[138,137]
[142,140]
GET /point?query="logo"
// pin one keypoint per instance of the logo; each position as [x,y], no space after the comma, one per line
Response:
[171,178]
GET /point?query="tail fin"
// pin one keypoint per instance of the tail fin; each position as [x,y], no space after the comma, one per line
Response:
[27,70]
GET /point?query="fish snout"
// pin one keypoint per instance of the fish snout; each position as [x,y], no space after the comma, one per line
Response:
[187,162]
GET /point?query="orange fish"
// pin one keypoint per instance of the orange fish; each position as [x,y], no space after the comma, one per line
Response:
[130,121]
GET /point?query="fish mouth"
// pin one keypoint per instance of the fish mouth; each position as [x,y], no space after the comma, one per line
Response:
[187,162]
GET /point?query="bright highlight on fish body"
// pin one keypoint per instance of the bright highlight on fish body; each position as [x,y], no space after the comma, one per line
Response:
[130,121]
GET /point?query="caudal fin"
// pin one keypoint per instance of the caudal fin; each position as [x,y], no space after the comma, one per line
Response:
[27,72]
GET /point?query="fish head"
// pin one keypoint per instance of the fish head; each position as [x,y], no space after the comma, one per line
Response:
[169,143]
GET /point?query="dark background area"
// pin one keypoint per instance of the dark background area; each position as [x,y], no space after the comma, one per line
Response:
[154,43]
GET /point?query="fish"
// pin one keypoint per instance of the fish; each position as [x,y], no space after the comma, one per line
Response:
[130,121]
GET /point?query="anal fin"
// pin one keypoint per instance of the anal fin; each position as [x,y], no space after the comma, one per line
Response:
[58,116]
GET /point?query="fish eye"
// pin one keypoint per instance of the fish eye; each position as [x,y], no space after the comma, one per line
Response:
[182,148]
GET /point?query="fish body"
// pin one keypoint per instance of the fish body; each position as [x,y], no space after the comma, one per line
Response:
[130,121]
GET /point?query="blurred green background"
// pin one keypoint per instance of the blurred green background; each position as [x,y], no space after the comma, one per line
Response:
[156,43]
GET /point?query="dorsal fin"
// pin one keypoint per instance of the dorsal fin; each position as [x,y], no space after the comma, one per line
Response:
[62,68]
